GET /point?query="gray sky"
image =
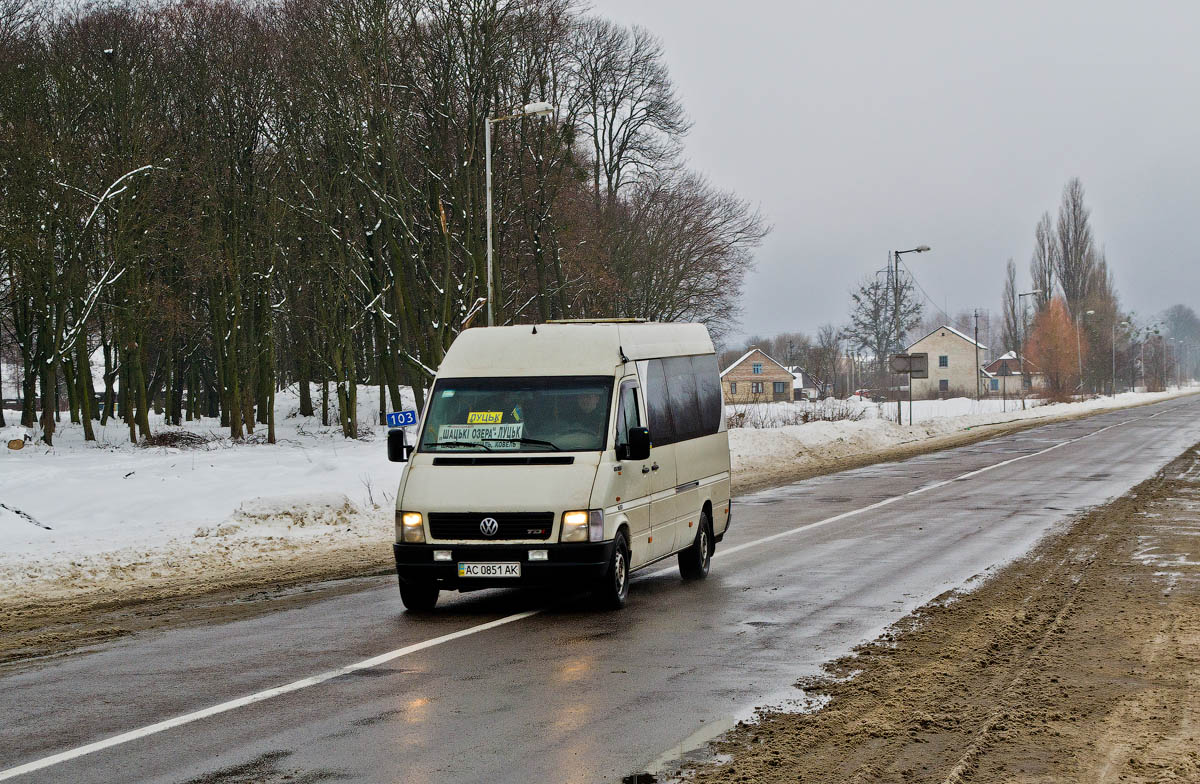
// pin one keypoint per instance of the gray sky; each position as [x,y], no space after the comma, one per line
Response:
[859,127]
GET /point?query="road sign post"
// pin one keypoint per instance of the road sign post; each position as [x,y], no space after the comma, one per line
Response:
[914,366]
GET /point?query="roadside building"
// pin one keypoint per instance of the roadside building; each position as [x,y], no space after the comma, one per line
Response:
[756,378]
[805,386]
[1007,380]
[954,365]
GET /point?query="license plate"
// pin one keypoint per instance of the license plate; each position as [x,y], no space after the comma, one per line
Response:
[489,569]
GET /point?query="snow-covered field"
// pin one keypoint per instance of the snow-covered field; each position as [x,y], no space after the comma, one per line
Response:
[81,516]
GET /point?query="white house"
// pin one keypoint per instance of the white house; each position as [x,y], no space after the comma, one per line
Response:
[955,364]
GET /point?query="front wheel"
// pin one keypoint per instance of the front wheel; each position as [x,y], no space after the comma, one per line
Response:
[419,597]
[694,562]
[614,586]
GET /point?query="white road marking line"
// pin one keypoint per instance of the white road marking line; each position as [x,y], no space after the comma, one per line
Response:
[250,699]
[895,498]
[383,658]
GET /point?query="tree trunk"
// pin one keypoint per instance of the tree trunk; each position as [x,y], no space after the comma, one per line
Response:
[84,380]
[49,401]
[304,379]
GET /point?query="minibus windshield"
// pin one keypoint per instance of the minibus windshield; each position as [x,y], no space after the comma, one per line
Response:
[536,414]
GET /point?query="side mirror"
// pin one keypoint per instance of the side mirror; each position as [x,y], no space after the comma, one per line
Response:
[639,444]
[398,447]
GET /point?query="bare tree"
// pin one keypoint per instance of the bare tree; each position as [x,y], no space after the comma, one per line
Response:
[823,357]
[1011,335]
[872,317]
[681,251]
[1075,258]
[626,106]
[1044,262]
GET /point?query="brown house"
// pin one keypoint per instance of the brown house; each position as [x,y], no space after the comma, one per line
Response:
[1013,376]
[756,378]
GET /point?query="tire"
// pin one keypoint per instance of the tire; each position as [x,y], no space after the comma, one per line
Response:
[613,589]
[695,561]
[419,597]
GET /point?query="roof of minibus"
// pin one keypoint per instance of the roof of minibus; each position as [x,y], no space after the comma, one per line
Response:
[579,349]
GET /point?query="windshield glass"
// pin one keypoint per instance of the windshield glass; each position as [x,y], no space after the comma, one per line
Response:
[544,414]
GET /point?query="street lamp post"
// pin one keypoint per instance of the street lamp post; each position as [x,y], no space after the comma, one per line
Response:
[1024,337]
[896,315]
[536,109]
[1079,343]
[1113,389]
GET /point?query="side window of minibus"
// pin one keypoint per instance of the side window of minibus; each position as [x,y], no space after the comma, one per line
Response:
[627,412]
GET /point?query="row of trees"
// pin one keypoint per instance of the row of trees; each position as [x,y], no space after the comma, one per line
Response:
[1067,321]
[214,199]
[1080,337]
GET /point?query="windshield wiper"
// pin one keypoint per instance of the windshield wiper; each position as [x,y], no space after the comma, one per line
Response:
[534,441]
[460,443]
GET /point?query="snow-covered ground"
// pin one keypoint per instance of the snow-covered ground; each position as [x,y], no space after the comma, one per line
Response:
[81,515]
[808,445]
[84,513]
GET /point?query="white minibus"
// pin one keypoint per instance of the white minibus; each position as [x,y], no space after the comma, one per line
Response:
[567,452]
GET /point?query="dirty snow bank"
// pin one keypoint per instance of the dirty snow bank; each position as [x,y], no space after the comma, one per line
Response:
[810,445]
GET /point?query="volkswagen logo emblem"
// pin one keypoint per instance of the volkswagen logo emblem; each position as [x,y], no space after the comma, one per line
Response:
[488,526]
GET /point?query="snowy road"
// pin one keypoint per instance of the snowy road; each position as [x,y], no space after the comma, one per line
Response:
[557,692]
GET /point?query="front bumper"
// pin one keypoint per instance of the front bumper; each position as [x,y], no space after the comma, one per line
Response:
[566,564]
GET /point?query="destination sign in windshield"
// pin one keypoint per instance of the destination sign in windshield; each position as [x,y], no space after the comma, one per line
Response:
[477,433]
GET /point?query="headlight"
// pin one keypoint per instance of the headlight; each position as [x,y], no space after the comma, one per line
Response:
[412,527]
[582,526]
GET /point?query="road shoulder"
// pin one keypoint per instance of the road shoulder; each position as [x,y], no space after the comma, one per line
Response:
[1080,662]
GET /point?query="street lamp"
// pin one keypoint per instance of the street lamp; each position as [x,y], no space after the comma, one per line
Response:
[1025,340]
[536,109]
[896,316]
[1113,389]
[1079,344]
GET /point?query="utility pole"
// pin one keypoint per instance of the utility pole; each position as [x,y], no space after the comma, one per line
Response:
[896,314]
[1024,338]
[978,374]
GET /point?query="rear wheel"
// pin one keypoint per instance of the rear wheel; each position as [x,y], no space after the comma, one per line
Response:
[695,561]
[419,597]
[614,586]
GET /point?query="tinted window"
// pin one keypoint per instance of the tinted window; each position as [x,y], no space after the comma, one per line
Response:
[658,405]
[681,392]
[708,392]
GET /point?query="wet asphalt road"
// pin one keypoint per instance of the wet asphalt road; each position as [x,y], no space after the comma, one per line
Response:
[568,694]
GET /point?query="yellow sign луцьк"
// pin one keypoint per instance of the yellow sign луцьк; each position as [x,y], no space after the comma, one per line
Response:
[485,417]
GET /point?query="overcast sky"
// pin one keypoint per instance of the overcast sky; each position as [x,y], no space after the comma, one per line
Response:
[859,127]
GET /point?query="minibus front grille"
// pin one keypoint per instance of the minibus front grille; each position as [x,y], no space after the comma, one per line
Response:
[510,525]
[513,460]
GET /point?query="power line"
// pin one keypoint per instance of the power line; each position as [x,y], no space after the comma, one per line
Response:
[924,293]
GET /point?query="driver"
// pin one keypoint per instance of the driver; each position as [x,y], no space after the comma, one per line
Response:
[578,425]
[587,402]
